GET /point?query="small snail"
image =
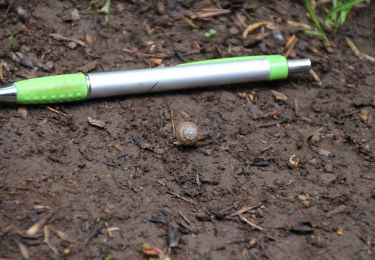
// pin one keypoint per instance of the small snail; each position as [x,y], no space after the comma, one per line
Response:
[188,133]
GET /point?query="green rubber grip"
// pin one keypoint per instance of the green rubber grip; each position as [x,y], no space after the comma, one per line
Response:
[278,64]
[52,89]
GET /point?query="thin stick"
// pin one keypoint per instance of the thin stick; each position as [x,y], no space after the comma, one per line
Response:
[315,76]
[183,198]
[56,111]
[173,127]
[64,38]
[244,210]
[249,222]
[1,70]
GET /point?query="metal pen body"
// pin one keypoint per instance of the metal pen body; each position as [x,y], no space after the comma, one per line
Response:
[105,84]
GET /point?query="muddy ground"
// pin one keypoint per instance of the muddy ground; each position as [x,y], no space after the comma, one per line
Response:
[101,192]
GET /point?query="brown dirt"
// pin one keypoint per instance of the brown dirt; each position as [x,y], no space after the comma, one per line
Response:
[92,179]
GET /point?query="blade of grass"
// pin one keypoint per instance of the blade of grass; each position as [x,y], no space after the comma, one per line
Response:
[345,7]
[315,20]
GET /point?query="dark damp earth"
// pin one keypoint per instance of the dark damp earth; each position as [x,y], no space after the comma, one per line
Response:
[286,175]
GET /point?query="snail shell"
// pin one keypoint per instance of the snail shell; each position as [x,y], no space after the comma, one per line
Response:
[187,133]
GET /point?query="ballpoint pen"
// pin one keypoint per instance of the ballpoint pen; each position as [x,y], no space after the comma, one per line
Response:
[80,86]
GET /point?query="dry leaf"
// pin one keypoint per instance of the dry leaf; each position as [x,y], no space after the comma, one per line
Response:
[24,251]
[340,231]
[88,38]
[324,152]
[300,25]
[156,61]
[62,235]
[363,115]
[96,122]
[279,96]
[255,26]
[304,199]
[357,52]
[294,160]
[36,227]
[152,252]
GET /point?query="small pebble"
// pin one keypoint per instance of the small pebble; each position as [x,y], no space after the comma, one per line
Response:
[328,167]
[22,13]
[278,36]
[75,15]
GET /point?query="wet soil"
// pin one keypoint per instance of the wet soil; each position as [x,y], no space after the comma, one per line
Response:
[106,190]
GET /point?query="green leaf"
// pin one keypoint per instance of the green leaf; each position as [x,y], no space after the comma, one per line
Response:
[346,7]
[315,20]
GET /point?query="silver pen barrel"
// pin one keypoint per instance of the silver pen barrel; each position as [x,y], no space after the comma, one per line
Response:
[106,84]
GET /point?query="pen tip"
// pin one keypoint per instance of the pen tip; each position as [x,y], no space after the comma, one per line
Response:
[301,65]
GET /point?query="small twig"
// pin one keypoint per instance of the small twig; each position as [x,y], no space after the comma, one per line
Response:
[255,26]
[62,235]
[244,210]
[93,232]
[183,198]
[357,52]
[249,222]
[7,12]
[160,56]
[300,25]
[56,111]
[1,70]
[173,126]
[315,76]
[185,218]
[46,239]
[64,38]
[367,177]
[273,123]
[207,13]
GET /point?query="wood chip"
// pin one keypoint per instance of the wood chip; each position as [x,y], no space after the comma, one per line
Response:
[324,153]
[337,210]
[156,61]
[23,112]
[23,250]
[88,67]
[96,122]
[364,115]
[279,96]
[190,22]
[253,225]
[255,26]
[305,199]
[88,38]
[290,44]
